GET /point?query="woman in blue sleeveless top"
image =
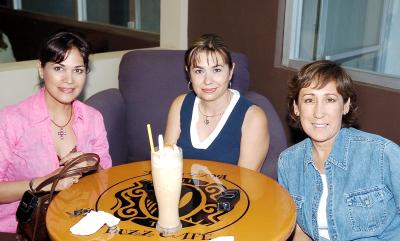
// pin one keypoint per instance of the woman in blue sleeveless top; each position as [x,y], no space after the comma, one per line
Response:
[214,122]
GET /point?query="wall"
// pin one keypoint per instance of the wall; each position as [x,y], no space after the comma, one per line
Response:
[255,28]
[174,21]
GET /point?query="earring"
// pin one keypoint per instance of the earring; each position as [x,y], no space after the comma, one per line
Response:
[230,84]
[189,85]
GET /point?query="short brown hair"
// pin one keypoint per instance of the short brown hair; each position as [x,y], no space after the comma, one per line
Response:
[321,73]
[211,44]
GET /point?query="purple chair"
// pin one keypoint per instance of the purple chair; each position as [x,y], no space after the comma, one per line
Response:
[149,80]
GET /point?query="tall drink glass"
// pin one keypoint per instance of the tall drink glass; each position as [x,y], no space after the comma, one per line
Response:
[166,166]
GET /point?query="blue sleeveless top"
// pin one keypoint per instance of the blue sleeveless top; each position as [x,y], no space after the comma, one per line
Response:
[226,146]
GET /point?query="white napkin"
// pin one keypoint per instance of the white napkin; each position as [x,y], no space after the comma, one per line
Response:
[92,222]
[224,238]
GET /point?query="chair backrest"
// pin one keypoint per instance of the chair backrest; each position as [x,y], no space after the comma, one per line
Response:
[277,136]
[111,105]
[149,80]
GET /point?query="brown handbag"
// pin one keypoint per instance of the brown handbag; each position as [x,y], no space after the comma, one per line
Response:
[31,212]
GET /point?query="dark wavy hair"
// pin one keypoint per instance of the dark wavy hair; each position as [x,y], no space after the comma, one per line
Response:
[321,73]
[56,48]
[211,44]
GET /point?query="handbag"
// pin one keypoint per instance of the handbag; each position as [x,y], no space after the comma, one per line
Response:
[31,212]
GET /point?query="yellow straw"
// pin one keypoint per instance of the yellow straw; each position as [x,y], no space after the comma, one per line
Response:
[150,138]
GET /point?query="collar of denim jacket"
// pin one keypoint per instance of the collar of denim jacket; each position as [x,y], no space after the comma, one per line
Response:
[337,156]
[339,153]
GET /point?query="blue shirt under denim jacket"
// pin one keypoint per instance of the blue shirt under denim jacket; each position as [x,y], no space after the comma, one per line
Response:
[363,176]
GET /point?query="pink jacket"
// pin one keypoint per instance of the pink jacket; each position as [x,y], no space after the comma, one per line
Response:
[27,150]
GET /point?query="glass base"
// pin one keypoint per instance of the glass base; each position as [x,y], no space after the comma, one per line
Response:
[168,231]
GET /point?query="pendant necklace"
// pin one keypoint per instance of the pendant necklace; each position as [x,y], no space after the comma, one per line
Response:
[61,133]
[206,120]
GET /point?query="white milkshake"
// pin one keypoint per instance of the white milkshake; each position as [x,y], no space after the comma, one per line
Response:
[166,168]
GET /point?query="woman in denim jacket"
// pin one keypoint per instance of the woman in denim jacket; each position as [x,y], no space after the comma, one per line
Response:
[345,182]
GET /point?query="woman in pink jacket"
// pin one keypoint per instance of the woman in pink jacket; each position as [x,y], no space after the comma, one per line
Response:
[41,133]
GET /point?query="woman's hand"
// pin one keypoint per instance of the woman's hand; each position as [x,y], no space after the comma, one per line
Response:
[299,235]
[13,190]
[62,184]
[66,182]
[72,155]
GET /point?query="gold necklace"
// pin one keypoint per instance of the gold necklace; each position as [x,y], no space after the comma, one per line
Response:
[206,120]
[61,133]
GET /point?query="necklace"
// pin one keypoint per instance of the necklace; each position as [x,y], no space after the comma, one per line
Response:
[61,133]
[206,120]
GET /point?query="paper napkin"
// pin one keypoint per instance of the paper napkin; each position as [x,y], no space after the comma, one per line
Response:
[224,238]
[92,222]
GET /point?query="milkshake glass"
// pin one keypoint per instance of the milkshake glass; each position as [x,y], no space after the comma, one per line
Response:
[166,166]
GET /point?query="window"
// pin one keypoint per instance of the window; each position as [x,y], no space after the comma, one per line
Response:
[141,15]
[362,35]
[136,14]
[63,8]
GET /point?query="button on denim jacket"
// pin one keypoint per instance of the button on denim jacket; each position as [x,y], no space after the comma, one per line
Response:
[363,176]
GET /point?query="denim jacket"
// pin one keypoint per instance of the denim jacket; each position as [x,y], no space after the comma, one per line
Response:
[363,176]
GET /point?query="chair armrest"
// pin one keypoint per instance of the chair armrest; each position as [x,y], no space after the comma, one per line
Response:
[278,140]
[111,105]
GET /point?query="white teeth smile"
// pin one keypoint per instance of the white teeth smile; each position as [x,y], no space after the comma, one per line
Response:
[66,90]
[320,125]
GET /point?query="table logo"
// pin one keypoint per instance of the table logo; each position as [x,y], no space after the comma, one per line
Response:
[133,200]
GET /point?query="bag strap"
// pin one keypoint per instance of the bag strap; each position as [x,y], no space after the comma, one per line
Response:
[68,170]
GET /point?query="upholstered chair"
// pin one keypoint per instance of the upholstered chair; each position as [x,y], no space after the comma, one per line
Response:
[149,80]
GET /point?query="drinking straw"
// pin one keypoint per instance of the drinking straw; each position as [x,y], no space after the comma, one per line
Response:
[150,138]
[160,142]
